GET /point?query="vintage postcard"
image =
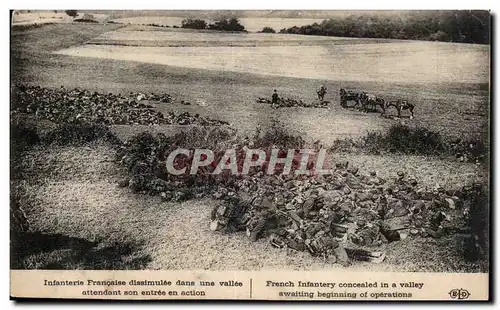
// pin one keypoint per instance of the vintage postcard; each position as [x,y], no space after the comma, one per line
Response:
[250,155]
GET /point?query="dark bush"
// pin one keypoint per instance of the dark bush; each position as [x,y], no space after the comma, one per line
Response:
[278,135]
[406,140]
[227,24]
[138,148]
[194,23]
[144,157]
[72,13]
[477,246]
[268,30]
[86,18]
[22,137]
[439,36]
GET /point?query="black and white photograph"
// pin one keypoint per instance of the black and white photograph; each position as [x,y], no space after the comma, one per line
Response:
[251,140]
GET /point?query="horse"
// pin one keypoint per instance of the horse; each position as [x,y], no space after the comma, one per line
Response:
[348,96]
[321,93]
[373,100]
[401,104]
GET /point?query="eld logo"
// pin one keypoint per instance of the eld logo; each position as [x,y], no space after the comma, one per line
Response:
[459,294]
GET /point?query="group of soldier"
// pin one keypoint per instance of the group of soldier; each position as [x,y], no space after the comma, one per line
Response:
[321,92]
[364,98]
[343,217]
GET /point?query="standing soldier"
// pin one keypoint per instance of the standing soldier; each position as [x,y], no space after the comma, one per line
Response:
[275,98]
[264,217]
[321,91]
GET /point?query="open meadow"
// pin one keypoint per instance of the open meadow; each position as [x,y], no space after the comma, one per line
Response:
[448,83]
[71,191]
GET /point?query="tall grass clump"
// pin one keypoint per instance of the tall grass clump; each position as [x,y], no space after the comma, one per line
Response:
[276,134]
[29,26]
[477,245]
[79,134]
[405,140]
[22,138]
[402,139]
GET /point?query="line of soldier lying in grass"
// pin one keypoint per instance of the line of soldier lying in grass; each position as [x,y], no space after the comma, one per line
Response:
[78,105]
[342,217]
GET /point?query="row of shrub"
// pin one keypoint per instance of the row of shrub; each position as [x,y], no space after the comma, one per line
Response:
[224,24]
[268,30]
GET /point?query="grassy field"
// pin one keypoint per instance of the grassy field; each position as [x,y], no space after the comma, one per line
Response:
[453,108]
[82,202]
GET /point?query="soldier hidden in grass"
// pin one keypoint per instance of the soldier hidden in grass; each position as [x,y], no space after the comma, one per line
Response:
[83,106]
[344,216]
[264,216]
[229,216]
[276,102]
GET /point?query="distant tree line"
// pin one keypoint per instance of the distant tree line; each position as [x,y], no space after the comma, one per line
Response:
[224,24]
[447,26]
